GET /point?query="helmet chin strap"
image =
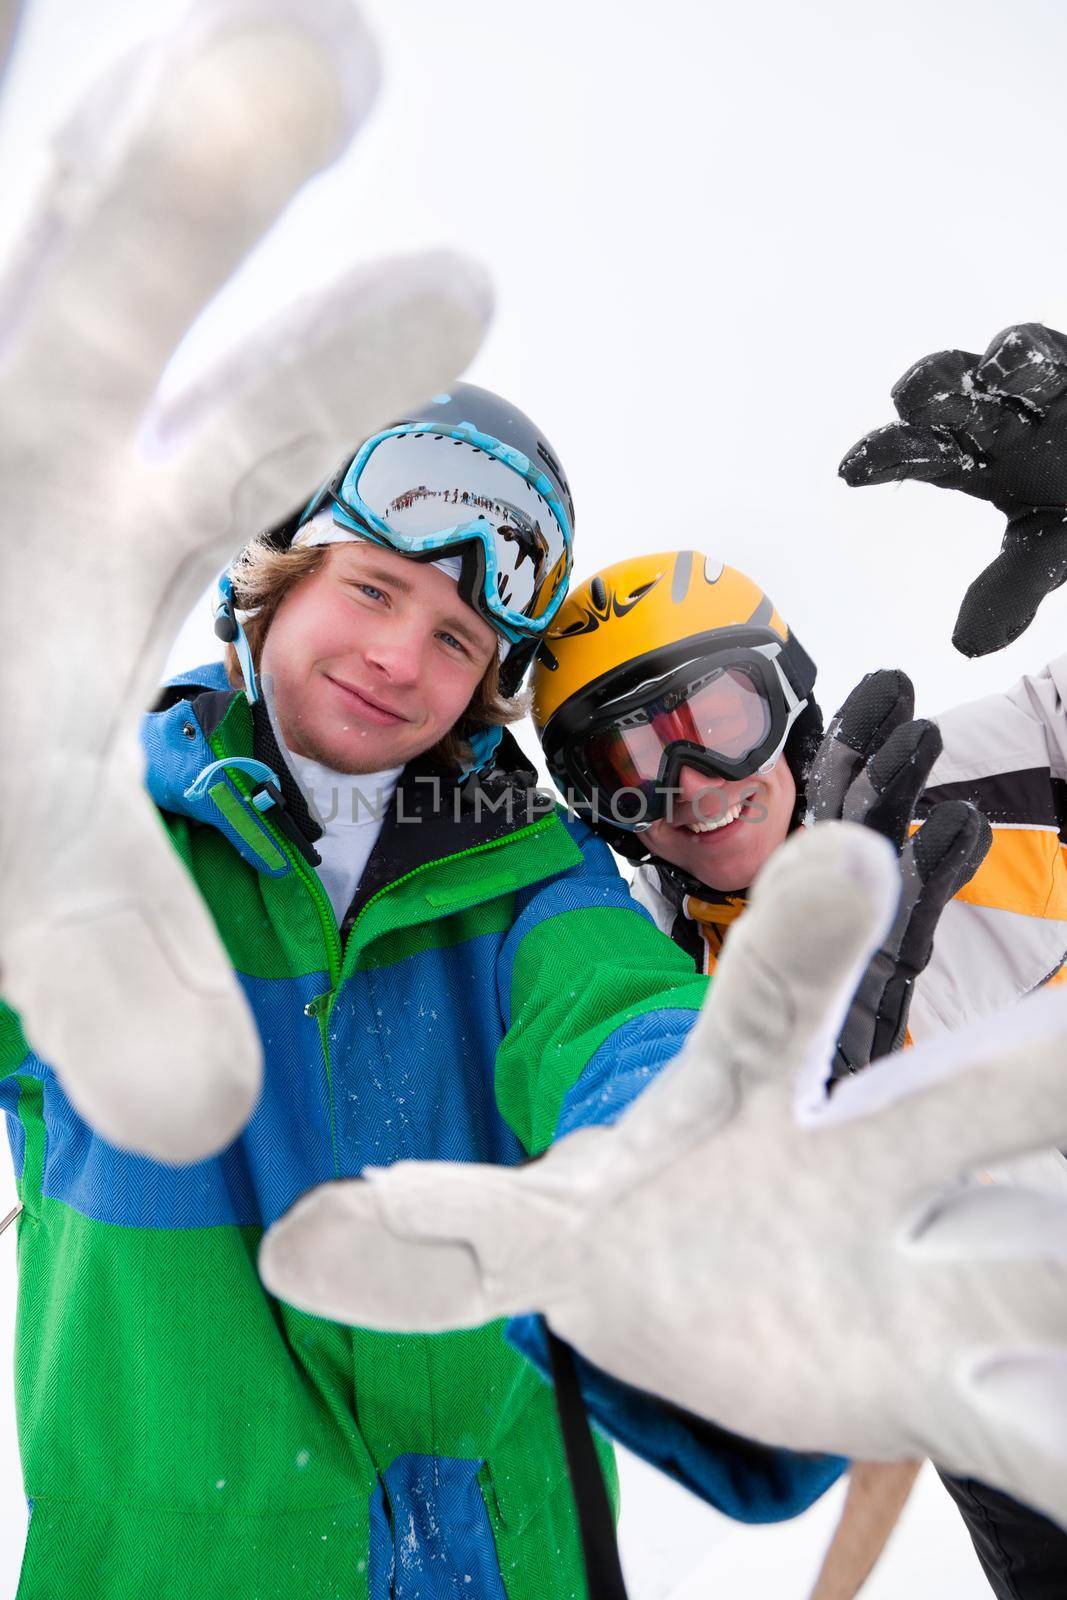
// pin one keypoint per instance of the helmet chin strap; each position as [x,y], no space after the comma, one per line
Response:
[686,885]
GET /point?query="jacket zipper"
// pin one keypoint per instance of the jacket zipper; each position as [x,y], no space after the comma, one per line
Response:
[321,1005]
[473,850]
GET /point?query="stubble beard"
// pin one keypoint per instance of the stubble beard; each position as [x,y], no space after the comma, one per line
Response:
[304,743]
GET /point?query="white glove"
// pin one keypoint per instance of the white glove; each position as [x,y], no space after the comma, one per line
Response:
[9,15]
[808,1277]
[117,511]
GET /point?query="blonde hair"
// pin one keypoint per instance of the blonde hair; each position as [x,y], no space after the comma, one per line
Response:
[262,577]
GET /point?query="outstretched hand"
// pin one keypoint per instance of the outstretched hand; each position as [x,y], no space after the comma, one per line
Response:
[872,768]
[706,1249]
[117,510]
[993,426]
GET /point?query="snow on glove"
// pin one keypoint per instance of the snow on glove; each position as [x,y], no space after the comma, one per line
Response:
[117,510]
[706,1247]
[872,768]
[994,426]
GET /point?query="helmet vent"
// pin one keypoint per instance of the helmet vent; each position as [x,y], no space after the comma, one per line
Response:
[598,593]
[683,568]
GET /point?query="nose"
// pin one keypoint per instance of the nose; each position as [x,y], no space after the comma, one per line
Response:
[699,794]
[397,652]
[693,783]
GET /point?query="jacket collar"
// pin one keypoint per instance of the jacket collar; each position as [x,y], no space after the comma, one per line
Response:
[694,899]
[201,763]
[214,759]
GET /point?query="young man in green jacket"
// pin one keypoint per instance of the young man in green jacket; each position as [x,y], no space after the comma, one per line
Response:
[438,966]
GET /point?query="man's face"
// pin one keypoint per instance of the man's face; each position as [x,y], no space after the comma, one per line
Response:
[722,830]
[372,659]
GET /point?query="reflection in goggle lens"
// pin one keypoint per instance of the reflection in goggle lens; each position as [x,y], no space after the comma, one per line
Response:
[423,484]
[726,714]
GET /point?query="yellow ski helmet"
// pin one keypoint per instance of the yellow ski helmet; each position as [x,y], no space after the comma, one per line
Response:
[664,661]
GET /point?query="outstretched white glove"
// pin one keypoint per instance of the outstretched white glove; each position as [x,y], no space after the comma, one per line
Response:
[799,1272]
[116,512]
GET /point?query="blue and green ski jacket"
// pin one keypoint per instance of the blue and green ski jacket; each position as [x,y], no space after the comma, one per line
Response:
[183,1433]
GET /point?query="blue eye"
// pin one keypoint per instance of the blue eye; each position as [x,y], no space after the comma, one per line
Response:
[452,642]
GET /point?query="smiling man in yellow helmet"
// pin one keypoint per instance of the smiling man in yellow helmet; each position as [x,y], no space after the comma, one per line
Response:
[666,694]
[677,715]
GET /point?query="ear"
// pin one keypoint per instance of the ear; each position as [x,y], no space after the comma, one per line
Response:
[421,1247]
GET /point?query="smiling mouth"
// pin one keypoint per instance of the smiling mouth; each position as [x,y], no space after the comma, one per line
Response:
[714,824]
[732,814]
[367,707]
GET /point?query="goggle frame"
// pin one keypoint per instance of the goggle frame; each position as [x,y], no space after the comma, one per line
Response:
[573,774]
[478,585]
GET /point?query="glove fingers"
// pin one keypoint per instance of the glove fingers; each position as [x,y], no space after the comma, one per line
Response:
[937,389]
[292,400]
[817,911]
[1027,361]
[946,392]
[1024,371]
[900,450]
[9,16]
[879,703]
[950,846]
[935,864]
[993,1222]
[1020,1399]
[414,1249]
[168,176]
[886,793]
[971,1099]
[1003,600]
[153,1041]
[334,1255]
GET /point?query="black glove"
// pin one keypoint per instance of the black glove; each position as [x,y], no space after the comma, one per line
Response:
[994,426]
[871,768]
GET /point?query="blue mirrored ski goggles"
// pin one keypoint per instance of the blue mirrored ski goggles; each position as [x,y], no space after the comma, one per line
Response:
[424,493]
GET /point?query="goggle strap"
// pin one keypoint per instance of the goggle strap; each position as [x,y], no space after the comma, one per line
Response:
[228,628]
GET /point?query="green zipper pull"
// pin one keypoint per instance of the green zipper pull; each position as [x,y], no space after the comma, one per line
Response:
[318,1006]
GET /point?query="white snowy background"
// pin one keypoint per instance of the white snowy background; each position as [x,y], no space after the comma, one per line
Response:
[718,233]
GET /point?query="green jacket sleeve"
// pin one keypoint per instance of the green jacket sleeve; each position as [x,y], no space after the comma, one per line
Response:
[596,999]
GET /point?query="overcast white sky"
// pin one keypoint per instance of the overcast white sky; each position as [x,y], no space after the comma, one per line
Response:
[718,233]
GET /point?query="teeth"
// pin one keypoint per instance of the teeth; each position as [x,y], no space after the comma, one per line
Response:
[718,822]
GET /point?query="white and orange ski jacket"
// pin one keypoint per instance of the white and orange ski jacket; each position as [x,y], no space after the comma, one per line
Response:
[1005,933]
